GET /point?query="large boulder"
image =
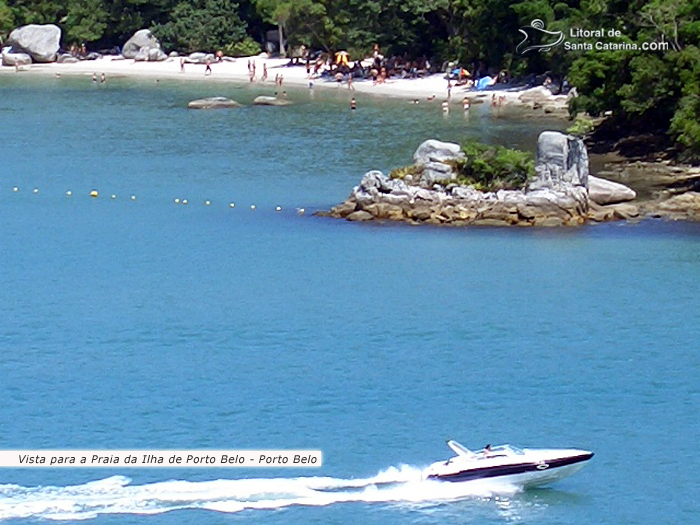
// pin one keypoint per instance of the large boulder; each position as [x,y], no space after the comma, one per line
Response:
[15,59]
[561,161]
[437,151]
[602,191]
[150,54]
[436,173]
[142,39]
[41,42]
[200,58]
[435,160]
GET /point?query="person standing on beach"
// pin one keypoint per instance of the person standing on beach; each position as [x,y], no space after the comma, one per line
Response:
[182,64]
[449,88]
[207,70]
[351,87]
[264,75]
[251,70]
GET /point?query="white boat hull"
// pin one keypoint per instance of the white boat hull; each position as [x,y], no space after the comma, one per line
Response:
[525,468]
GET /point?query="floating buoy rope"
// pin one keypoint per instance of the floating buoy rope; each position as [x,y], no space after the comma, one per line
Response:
[95,194]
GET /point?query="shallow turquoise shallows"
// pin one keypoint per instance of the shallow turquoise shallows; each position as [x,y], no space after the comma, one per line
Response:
[145,324]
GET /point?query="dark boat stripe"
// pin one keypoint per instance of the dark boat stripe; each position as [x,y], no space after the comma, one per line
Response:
[509,470]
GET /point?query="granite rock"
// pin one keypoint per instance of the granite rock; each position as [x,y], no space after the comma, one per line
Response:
[41,42]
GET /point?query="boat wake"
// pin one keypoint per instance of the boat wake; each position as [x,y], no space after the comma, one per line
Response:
[116,495]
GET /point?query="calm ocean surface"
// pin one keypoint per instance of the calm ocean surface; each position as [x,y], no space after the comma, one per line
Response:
[142,324]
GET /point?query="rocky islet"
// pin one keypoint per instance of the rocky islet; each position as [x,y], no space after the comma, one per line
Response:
[562,193]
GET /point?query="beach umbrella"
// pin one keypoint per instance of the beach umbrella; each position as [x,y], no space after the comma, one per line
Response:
[342,57]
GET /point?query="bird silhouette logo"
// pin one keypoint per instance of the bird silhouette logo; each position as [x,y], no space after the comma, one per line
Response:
[536,32]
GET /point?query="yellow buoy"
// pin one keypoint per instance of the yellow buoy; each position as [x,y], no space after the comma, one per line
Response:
[36,190]
[231,205]
[252,206]
[94,193]
[177,201]
[69,193]
[133,197]
[207,203]
[184,201]
[15,188]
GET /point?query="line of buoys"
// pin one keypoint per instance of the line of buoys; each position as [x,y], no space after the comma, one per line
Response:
[177,200]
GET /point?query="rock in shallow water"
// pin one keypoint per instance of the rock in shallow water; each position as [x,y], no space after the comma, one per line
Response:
[214,103]
[263,100]
[681,207]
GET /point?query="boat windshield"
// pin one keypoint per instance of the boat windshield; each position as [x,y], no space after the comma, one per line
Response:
[502,450]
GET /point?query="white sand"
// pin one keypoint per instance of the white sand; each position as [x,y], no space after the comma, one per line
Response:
[433,87]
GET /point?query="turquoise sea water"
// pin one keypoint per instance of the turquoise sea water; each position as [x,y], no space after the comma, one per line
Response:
[149,325]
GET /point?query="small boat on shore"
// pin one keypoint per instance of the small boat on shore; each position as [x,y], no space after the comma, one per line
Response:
[516,466]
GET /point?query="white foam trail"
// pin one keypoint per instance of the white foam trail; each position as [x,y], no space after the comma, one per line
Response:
[115,494]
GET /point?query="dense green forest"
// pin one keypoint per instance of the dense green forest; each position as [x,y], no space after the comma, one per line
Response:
[654,91]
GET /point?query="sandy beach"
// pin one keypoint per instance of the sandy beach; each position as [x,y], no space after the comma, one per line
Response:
[433,87]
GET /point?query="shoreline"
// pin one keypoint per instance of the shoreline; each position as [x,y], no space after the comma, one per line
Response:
[432,88]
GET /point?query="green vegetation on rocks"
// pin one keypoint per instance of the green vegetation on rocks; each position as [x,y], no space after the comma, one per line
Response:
[493,168]
[400,173]
[582,126]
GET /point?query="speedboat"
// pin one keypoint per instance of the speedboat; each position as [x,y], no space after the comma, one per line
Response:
[516,466]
